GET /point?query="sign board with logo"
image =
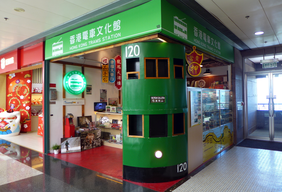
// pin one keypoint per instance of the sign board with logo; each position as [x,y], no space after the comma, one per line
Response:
[74,82]
[9,62]
[118,82]
[116,28]
[161,17]
[180,26]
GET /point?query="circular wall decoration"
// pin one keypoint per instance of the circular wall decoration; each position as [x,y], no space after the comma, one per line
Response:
[74,82]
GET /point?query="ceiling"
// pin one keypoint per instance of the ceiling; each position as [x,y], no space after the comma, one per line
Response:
[235,21]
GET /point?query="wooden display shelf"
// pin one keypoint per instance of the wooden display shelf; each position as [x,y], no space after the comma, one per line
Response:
[107,113]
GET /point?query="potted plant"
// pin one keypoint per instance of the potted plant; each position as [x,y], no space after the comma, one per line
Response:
[56,148]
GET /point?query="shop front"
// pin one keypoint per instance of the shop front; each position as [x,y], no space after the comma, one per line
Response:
[121,82]
[21,116]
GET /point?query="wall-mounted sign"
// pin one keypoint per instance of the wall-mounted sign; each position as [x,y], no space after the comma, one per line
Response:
[9,61]
[73,102]
[157,99]
[105,73]
[105,60]
[74,82]
[112,70]
[118,82]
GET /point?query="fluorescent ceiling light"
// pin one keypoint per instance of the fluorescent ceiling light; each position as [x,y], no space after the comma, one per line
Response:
[259,33]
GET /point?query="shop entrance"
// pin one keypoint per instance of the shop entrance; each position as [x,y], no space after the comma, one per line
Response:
[264,105]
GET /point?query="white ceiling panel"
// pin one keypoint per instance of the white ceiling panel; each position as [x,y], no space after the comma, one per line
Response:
[210,6]
[57,7]
[31,13]
[90,4]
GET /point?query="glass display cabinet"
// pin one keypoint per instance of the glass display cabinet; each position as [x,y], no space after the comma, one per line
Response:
[210,108]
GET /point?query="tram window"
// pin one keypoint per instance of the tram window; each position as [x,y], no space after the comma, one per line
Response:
[178,68]
[151,68]
[135,126]
[156,68]
[178,124]
[133,68]
[158,126]
[162,68]
[178,72]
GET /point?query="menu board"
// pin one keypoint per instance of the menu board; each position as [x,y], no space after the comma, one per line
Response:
[195,108]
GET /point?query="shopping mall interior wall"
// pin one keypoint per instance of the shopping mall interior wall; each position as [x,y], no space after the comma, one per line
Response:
[76,110]
[93,78]
[56,110]
[237,88]
[3,91]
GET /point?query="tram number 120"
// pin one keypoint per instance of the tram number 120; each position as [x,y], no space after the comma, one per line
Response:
[181,167]
[132,51]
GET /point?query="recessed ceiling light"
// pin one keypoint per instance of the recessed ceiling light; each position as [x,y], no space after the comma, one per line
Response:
[259,33]
[21,10]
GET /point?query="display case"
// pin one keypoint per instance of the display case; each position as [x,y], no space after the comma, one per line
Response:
[111,127]
[210,108]
[195,107]
[225,107]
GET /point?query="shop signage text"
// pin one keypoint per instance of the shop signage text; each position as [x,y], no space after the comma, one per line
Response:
[112,71]
[74,82]
[157,99]
[117,28]
[9,62]
[118,82]
[180,26]
[105,73]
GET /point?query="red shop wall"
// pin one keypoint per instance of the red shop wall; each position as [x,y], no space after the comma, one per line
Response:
[18,90]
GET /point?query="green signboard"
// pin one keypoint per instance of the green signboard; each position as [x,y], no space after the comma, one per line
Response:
[74,82]
[156,16]
[178,25]
[137,22]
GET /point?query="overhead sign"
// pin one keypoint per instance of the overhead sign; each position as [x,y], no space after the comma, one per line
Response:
[194,61]
[74,82]
[118,82]
[116,28]
[180,26]
[269,65]
[9,62]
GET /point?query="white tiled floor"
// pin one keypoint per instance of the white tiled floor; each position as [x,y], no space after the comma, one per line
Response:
[240,169]
[29,140]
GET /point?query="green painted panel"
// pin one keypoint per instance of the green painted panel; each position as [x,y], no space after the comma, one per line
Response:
[140,152]
[180,26]
[137,22]
[137,92]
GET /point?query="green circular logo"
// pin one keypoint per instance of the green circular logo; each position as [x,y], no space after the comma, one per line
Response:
[74,82]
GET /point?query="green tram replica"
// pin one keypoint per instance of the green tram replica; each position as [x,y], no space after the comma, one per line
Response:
[154,112]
